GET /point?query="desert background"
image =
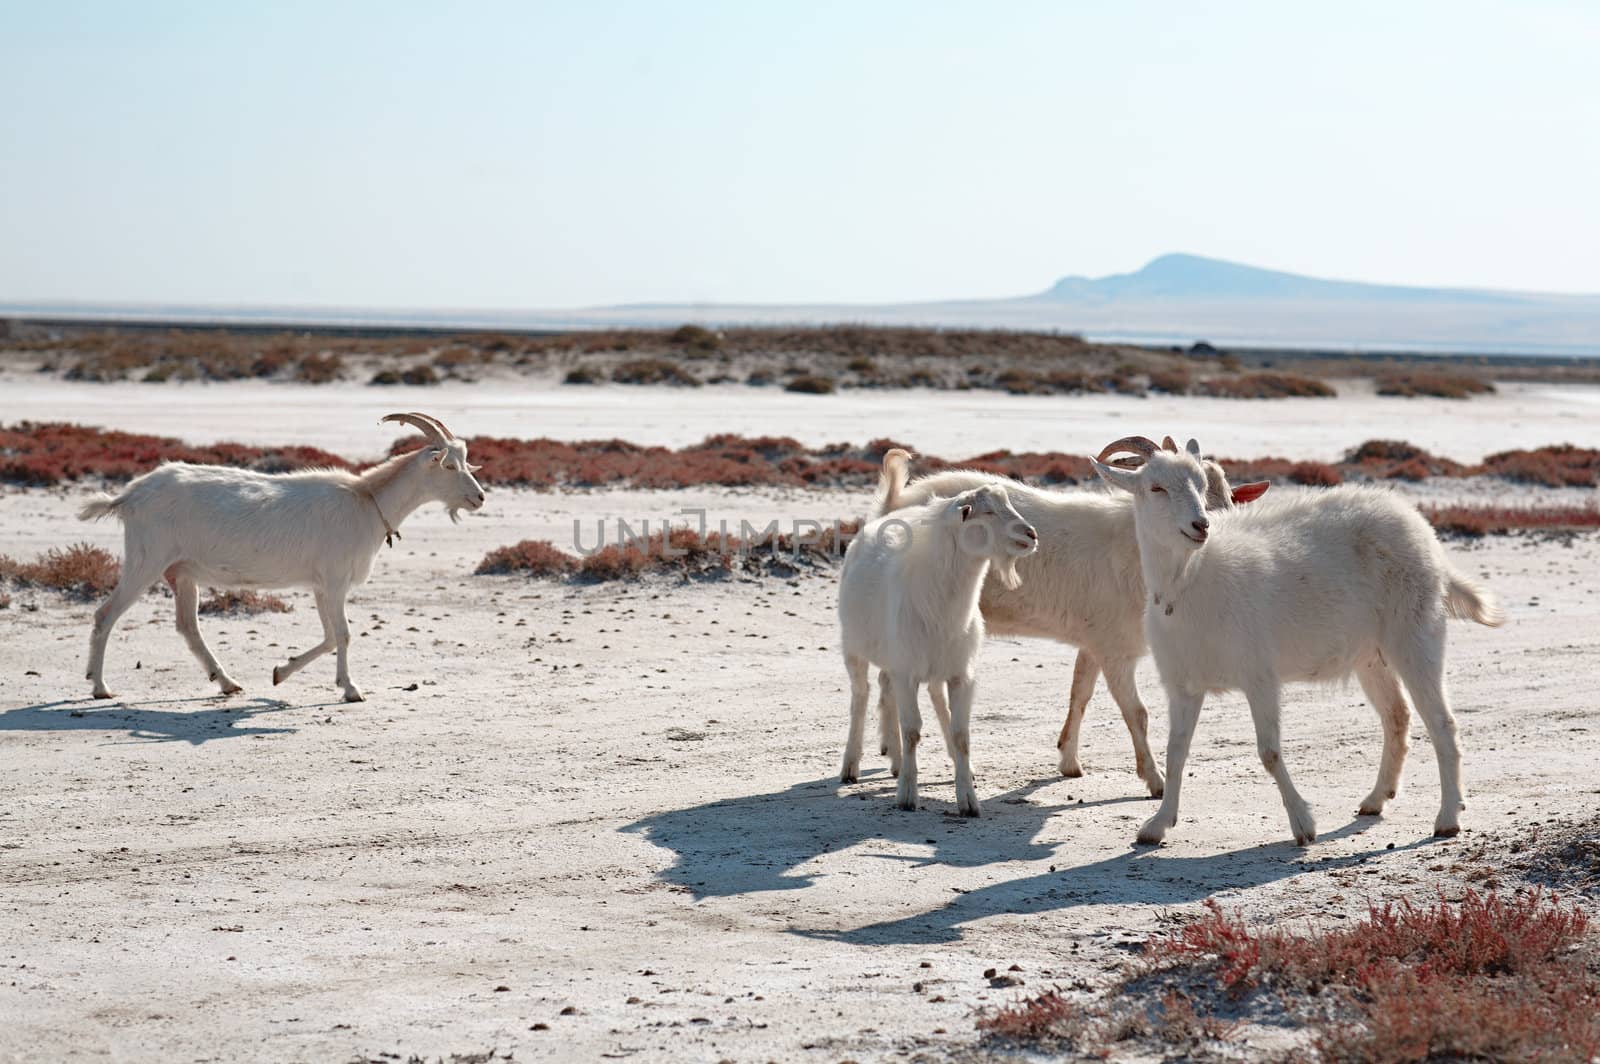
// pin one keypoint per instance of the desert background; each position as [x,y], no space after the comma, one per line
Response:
[680,276]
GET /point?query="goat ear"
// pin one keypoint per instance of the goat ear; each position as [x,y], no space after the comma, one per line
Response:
[1117,478]
[436,455]
[966,512]
[473,468]
[1168,445]
[1193,447]
[1250,492]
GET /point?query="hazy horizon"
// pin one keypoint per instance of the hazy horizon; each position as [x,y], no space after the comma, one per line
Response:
[538,157]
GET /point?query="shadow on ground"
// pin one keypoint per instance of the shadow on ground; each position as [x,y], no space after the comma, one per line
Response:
[761,842]
[217,720]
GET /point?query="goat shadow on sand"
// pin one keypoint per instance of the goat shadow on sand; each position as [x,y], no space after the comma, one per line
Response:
[758,843]
[755,843]
[218,720]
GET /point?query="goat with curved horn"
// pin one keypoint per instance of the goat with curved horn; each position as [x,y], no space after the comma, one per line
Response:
[1139,445]
[430,426]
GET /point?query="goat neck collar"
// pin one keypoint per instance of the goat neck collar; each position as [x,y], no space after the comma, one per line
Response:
[390,533]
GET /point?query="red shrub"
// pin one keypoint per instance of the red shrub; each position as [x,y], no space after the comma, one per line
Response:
[242,603]
[38,454]
[79,570]
[1498,520]
[1558,466]
[536,557]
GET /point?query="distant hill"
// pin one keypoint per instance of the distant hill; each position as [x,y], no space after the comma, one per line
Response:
[1175,299]
[1193,277]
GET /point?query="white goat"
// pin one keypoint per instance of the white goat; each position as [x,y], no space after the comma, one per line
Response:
[1083,587]
[233,528]
[908,603]
[1313,587]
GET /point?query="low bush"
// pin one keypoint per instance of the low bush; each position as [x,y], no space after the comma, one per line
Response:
[1173,381]
[80,570]
[1562,465]
[810,384]
[319,369]
[1433,383]
[1500,520]
[39,454]
[654,371]
[535,557]
[1487,978]
[696,338]
[1265,386]
[583,375]
[242,603]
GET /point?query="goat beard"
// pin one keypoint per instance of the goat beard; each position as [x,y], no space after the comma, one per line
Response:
[1006,569]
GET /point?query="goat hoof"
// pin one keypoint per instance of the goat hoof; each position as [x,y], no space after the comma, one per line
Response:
[1305,840]
[1369,809]
[909,807]
[1072,772]
[847,776]
[354,696]
[103,693]
[277,675]
[1149,838]
[971,810]
[1446,831]
[231,688]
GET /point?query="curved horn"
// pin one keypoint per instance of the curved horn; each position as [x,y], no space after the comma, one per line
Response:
[430,428]
[1168,445]
[1137,444]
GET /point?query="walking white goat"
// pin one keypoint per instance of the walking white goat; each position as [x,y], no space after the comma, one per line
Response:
[1315,586]
[1083,587]
[233,528]
[908,603]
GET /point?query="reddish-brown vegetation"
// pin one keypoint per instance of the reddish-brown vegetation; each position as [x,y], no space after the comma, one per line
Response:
[242,603]
[1265,386]
[682,552]
[535,557]
[39,454]
[1499,520]
[79,570]
[1488,978]
[43,454]
[1556,466]
[1432,382]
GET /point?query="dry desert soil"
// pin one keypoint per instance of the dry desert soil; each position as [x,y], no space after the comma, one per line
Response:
[603,821]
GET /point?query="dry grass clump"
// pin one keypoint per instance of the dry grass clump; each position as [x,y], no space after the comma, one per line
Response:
[682,552]
[1174,380]
[242,603]
[697,339]
[1488,978]
[412,375]
[1409,383]
[1562,465]
[1278,470]
[1095,1028]
[583,375]
[654,371]
[810,384]
[535,557]
[38,454]
[80,570]
[1264,386]
[1499,520]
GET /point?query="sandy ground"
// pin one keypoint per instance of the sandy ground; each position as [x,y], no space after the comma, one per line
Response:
[587,822]
[343,417]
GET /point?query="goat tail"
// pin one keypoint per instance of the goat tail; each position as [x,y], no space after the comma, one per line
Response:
[892,479]
[1469,602]
[105,505]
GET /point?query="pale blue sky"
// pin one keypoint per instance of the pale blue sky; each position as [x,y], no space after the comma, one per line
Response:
[542,155]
